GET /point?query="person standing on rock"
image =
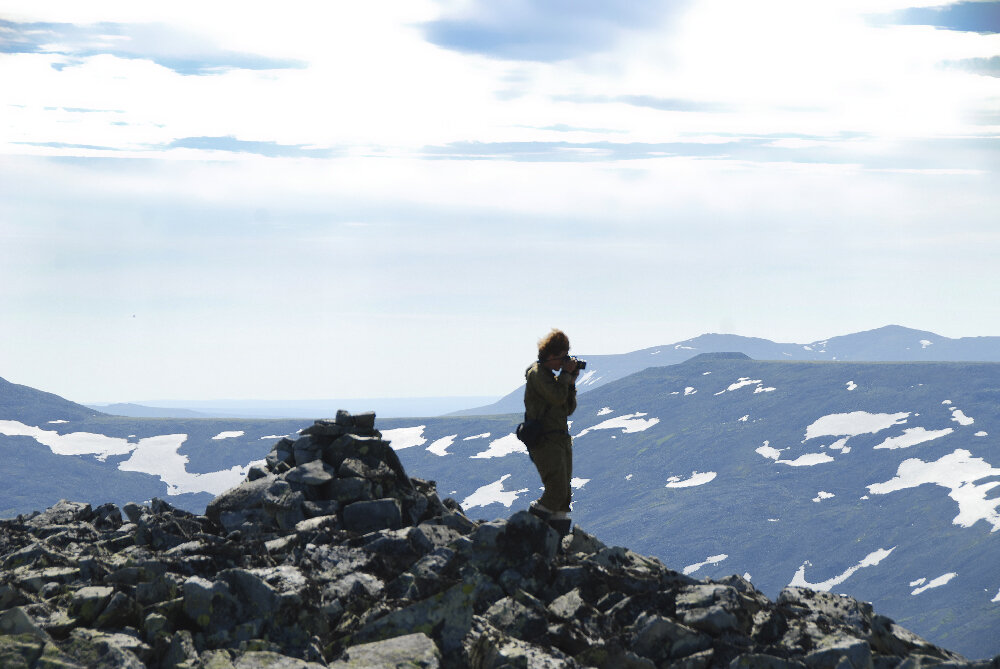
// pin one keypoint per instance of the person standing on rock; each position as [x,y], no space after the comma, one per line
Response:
[550,397]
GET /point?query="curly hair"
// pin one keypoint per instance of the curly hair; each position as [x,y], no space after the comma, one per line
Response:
[552,343]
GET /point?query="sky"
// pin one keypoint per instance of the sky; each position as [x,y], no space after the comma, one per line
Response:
[397,199]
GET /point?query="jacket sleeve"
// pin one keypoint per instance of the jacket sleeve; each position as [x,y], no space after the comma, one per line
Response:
[554,391]
[571,400]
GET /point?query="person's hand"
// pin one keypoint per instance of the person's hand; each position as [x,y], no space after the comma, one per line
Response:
[569,365]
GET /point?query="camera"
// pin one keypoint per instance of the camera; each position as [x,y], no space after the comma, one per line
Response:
[580,364]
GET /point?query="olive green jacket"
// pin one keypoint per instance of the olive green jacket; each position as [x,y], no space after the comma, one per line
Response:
[549,398]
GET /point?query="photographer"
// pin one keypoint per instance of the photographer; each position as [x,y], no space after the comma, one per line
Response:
[551,399]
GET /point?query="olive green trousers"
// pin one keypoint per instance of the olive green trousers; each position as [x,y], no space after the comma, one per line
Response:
[553,459]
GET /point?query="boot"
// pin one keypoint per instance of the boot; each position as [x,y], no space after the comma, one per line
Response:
[561,525]
[536,509]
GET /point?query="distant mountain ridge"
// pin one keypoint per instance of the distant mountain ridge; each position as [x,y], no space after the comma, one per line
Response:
[891,343]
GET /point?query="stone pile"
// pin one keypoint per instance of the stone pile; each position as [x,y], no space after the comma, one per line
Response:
[330,555]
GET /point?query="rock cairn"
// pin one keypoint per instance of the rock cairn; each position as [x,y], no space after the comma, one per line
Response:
[330,555]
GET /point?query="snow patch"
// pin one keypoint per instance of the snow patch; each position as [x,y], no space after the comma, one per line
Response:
[958,472]
[924,343]
[689,391]
[744,418]
[628,477]
[57,422]
[587,378]
[503,446]
[982,434]
[936,583]
[492,493]
[629,423]
[405,437]
[697,478]
[156,456]
[870,560]
[745,381]
[912,436]
[961,418]
[484,435]
[440,446]
[851,385]
[806,460]
[605,411]
[273,436]
[841,445]
[228,435]
[75,443]
[578,483]
[996,599]
[713,560]
[854,423]
[823,495]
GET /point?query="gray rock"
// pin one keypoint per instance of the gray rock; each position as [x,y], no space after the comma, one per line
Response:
[315,472]
[374,515]
[763,661]
[447,615]
[306,449]
[660,638]
[263,659]
[62,512]
[410,650]
[181,651]
[17,621]
[88,602]
[347,490]
[100,650]
[19,651]
[246,496]
[840,651]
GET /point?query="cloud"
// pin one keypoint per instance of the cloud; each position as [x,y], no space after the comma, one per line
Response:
[654,102]
[173,48]
[989,67]
[268,149]
[545,30]
[949,153]
[977,17]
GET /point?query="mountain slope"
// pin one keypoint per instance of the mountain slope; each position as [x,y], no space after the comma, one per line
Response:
[889,343]
[872,479]
[36,406]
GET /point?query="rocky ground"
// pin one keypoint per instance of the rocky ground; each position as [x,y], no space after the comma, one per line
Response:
[330,555]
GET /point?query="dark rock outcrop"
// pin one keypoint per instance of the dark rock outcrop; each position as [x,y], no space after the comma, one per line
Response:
[330,555]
